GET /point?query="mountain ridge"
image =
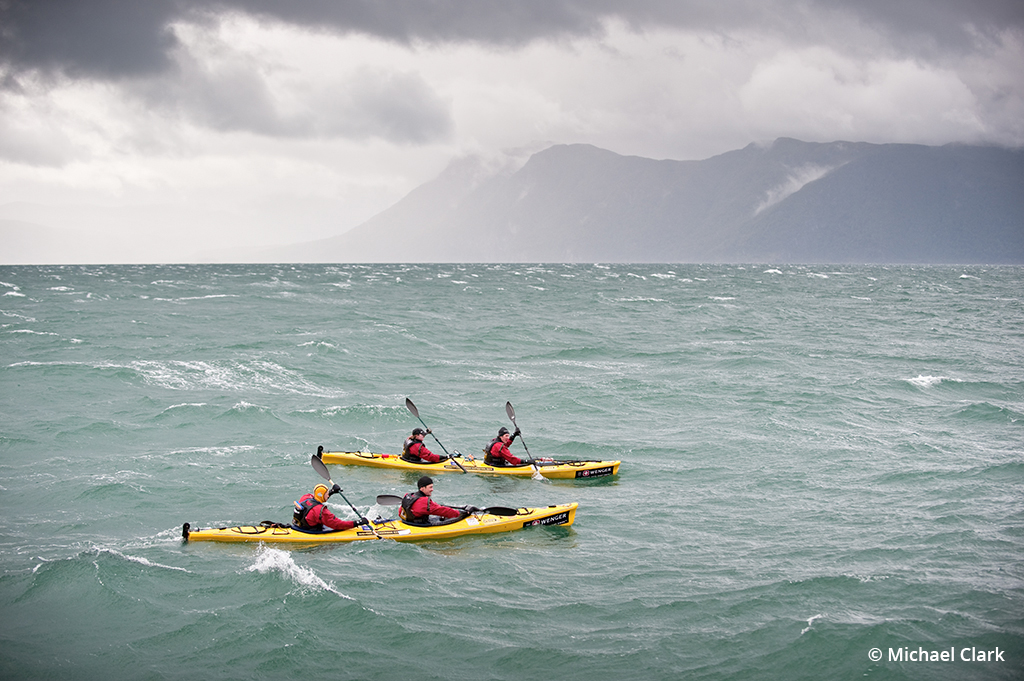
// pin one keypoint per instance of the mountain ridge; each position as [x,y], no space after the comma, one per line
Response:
[788,201]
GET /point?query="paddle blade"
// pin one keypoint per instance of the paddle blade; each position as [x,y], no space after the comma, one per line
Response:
[320,468]
[388,500]
[412,407]
[510,411]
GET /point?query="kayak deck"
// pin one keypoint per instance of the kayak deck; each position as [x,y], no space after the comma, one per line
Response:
[478,523]
[556,470]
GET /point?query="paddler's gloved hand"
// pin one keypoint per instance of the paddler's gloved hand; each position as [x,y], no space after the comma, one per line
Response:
[472,509]
[362,521]
[517,431]
[335,489]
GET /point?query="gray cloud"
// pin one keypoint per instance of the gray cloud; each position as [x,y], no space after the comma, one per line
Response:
[125,38]
[87,38]
[213,85]
[399,107]
[234,96]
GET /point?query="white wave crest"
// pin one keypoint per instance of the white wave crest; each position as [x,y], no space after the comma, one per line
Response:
[184,404]
[810,623]
[262,376]
[17,316]
[270,560]
[140,560]
[929,381]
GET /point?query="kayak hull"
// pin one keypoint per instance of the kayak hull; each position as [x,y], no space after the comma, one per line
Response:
[481,523]
[568,470]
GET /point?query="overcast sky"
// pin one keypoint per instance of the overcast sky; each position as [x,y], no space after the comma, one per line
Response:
[260,121]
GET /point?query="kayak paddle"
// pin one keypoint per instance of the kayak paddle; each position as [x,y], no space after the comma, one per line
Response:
[321,469]
[416,412]
[392,500]
[512,415]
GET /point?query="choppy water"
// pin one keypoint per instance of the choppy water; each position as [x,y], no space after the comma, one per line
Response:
[817,461]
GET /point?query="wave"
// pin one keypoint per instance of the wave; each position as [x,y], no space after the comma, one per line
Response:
[259,375]
[89,564]
[227,451]
[36,333]
[184,405]
[269,560]
[810,623]
[319,344]
[357,411]
[929,381]
[17,316]
[185,298]
[140,560]
[638,299]
[991,413]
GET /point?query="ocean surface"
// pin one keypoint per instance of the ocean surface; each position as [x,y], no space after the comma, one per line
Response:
[821,465]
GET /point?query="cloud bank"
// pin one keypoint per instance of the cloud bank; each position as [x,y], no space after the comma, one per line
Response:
[299,120]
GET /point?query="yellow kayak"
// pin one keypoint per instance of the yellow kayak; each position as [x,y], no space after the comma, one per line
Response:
[556,470]
[477,523]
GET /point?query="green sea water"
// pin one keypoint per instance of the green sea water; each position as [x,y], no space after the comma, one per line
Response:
[817,462]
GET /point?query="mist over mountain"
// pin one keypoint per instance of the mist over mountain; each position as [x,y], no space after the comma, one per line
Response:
[789,201]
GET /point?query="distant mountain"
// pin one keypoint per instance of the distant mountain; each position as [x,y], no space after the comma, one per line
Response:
[790,201]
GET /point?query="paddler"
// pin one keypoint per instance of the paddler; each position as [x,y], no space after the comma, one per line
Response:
[311,512]
[414,451]
[417,507]
[497,454]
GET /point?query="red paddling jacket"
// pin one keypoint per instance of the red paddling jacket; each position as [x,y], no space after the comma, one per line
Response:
[417,506]
[311,514]
[497,454]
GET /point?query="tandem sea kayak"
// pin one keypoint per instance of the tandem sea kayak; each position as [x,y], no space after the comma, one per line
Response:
[556,470]
[477,523]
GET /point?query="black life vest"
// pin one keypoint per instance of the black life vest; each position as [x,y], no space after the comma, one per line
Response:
[302,507]
[489,457]
[409,456]
[405,513]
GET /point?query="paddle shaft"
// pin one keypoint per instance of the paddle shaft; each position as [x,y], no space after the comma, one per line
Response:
[511,412]
[416,412]
[393,500]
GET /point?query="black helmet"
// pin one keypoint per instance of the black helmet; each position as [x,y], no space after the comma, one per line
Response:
[502,431]
[418,431]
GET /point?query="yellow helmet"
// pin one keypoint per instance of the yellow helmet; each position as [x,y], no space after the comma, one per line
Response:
[320,493]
